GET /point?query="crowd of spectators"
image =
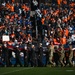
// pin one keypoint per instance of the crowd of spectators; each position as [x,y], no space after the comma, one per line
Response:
[15,21]
[58,22]
[55,22]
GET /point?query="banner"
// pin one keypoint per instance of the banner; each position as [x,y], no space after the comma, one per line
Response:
[5,38]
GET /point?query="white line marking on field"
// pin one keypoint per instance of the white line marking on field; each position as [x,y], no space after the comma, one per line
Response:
[14,71]
[69,70]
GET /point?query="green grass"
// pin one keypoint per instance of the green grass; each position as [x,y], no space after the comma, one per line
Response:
[37,71]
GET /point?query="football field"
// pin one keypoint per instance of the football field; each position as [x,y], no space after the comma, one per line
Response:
[37,70]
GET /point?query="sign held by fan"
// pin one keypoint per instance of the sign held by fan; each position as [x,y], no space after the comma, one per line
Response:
[5,38]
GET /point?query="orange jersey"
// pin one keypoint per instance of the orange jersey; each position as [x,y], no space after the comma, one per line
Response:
[66,32]
[64,1]
[56,42]
[8,6]
[59,2]
[63,40]
[72,4]
[10,43]
[43,19]
[12,35]
[13,1]
[56,12]
[12,9]
[45,12]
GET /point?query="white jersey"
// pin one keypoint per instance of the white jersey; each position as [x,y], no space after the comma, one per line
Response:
[35,2]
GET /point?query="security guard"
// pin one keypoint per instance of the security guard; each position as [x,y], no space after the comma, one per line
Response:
[1,62]
[6,54]
[40,55]
[17,51]
[26,55]
[33,56]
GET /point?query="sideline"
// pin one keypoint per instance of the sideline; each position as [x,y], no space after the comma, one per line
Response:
[15,71]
